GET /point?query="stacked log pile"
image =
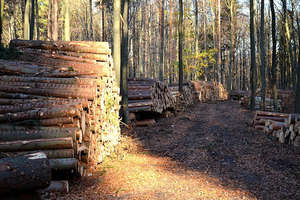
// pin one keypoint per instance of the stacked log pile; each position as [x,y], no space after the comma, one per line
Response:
[285,102]
[149,95]
[187,97]
[60,98]
[285,127]
[209,91]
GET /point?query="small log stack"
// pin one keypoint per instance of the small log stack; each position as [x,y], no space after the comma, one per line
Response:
[209,91]
[149,95]
[187,97]
[285,127]
[60,98]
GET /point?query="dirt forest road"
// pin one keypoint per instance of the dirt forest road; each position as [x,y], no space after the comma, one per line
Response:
[207,152]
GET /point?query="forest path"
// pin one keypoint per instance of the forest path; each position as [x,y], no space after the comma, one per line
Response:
[207,152]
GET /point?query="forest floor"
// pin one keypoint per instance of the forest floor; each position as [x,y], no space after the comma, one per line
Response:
[207,152]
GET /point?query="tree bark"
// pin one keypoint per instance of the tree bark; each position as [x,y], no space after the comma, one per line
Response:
[180,46]
[161,29]
[124,62]
[91,20]
[262,53]
[1,19]
[37,19]
[27,20]
[27,172]
[57,186]
[253,56]
[55,20]
[67,21]
[38,144]
[32,19]
[117,39]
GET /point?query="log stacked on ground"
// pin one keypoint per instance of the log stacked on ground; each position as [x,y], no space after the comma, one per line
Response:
[60,98]
[149,95]
[285,127]
[209,91]
[187,98]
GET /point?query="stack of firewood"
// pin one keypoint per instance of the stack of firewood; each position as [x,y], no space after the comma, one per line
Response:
[187,97]
[209,91]
[285,127]
[149,95]
[60,98]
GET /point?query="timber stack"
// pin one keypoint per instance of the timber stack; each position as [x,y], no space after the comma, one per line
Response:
[149,95]
[187,97]
[60,98]
[285,127]
[206,91]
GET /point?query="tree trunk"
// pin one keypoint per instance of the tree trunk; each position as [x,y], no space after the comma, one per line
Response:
[27,172]
[57,186]
[67,21]
[297,100]
[117,39]
[262,53]
[50,21]
[1,19]
[180,46]
[37,19]
[91,21]
[253,56]
[27,20]
[162,38]
[32,19]
[124,62]
[55,20]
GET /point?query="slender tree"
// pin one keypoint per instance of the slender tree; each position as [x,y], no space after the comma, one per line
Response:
[32,15]
[91,21]
[50,21]
[27,20]
[180,45]
[117,38]
[274,55]
[162,38]
[297,100]
[253,56]
[37,19]
[55,20]
[67,20]
[1,18]
[124,61]
[262,53]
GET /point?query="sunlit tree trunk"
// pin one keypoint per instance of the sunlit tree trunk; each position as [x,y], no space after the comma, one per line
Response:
[50,22]
[32,19]
[27,20]
[91,21]
[55,20]
[253,57]
[1,18]
[170,41]
[67,20]
[219,41]
[117,39]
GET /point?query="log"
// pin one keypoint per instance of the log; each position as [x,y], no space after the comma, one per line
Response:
[63,164]
[13,134]
[139,109]
[99,48]
[60,153]
[41,113]
[148,122]
[48,122]
[27,172]
[56,186]
[141,103]
[273,114]
[38,144]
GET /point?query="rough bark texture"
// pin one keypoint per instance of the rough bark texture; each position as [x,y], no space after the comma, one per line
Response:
[27,172]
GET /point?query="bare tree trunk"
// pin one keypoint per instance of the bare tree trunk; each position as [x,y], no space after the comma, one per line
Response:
[91,21]
[262,53]
[32,20]
[253,57]
[117,39]
[124,62]
[170,41]
[180,45]
[67,20]
[50,22]
[219,41]
[1,18]
[161,53]
[27,20]
[55,20]
[37,19]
